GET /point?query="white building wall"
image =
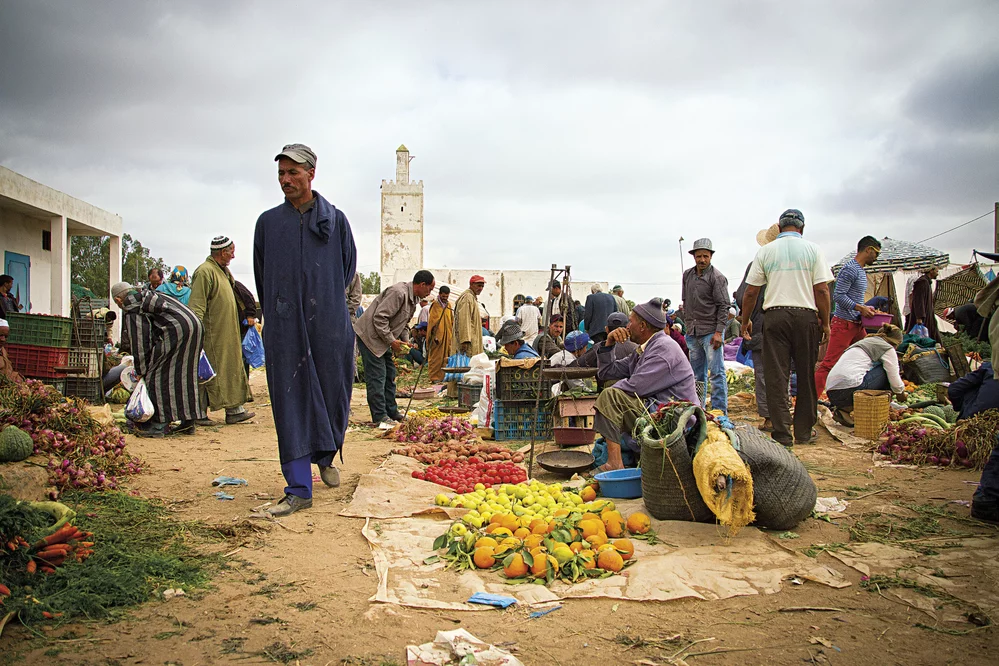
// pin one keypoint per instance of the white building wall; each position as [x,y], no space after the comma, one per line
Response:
[401,220]
[23,235]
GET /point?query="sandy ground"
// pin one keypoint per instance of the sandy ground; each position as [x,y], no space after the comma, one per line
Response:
[306,585]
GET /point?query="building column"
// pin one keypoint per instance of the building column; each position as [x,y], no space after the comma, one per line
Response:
[114,273]
[60,294]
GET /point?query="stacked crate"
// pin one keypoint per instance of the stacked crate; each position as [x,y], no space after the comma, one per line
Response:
[575,421]
[86,356]
[517,391]
[38,346]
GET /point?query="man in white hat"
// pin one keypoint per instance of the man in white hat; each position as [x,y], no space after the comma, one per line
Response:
[214,301]
[796,312]
[705,305]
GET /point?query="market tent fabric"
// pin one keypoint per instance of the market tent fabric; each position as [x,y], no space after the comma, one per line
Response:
[900,255]
[957,289]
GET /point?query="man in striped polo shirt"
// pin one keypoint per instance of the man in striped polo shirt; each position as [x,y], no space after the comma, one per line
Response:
[846,326]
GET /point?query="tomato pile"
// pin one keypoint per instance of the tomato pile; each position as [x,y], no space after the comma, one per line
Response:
[463,475]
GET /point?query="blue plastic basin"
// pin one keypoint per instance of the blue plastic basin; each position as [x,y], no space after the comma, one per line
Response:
[621,483]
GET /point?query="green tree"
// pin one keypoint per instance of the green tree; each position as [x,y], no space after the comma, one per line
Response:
[371,284]
[89,257]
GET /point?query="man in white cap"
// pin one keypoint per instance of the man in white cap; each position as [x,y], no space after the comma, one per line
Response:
[705,306]
[796,312]
[213,299]
[304,261]
[6,368]
[528,316]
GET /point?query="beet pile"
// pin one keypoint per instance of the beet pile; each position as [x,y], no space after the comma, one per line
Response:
[82,452]
[967,444]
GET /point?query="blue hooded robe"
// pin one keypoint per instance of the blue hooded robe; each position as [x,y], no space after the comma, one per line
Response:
[302,264]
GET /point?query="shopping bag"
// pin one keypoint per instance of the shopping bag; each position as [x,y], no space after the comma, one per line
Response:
[458,360]
[253,348]
[920,330]
[205,370]
[139,408]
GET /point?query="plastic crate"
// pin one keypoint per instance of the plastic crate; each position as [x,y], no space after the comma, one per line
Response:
[468,394]
[91,390]
[516,420]
[515,383]
[89,332]
[38,362]
[88,359]
[40,330]
[57,384]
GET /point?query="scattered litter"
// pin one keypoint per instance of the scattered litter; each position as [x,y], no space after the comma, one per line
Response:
[229,481]
[262,496]
[486,599]
[224,496]
[173,592]
[830,505]
[818,640]
[961,502]
[458,647]
[385,426]
[797,581]
[542,613]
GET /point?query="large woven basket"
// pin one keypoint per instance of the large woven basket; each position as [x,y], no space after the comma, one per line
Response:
[669,489]
[783,492]
[870,413]
[926,367]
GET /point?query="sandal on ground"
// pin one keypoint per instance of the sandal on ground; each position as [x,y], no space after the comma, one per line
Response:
[767,425]
[812,439]
[843,418]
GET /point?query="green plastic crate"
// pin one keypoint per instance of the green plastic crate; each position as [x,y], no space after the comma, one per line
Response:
[40,330]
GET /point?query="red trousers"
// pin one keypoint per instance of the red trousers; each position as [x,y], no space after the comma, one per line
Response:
[842,334]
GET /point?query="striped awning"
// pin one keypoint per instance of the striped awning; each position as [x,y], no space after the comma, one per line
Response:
[900,255]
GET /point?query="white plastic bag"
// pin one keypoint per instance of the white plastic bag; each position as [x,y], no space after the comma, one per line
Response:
[139,408]
[129,378]
[484,410]
[479,365]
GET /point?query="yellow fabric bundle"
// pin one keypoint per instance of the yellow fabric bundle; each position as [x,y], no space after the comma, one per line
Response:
[724,481]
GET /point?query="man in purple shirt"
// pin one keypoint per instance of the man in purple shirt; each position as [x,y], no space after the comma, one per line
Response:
[656,372]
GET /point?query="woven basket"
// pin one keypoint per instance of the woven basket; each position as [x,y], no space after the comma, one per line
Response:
[783,492]
[669,489]
[926,367]
[870,413]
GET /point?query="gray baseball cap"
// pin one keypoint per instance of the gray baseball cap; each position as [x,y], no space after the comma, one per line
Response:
[298,152]
[702,244]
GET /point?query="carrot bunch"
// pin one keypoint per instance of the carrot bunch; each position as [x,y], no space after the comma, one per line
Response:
[4,592]
[66,543]
[16,543]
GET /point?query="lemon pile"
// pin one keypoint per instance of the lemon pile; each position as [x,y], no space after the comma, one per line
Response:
[525,501]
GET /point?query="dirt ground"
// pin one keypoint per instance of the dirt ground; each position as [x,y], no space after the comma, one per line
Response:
[298,593]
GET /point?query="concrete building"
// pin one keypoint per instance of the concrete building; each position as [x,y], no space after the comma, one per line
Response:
[36,223]
[402,251]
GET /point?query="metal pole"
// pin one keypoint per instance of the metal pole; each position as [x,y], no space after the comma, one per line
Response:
[681,254]
[996,244]
[537,395]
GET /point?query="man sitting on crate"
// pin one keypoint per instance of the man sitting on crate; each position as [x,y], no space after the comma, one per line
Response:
[511,338]
[657,371]
[6,368]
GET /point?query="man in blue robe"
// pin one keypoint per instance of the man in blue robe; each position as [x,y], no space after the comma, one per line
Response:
[303,260]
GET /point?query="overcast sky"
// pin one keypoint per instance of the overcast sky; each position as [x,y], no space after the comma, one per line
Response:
[593,134]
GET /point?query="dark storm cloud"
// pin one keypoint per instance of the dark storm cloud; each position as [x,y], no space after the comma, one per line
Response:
[571,120]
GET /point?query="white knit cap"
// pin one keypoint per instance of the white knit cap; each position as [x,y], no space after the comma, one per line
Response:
[4,324]
[120,289]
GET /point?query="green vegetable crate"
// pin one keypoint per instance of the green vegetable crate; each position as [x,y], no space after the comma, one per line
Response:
[516,420]
[517,383]
[40,330]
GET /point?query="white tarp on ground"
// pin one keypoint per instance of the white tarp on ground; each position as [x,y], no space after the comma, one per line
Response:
[695,560]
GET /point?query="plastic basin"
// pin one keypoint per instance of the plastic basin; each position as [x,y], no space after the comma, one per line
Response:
[876,321]
[621,483]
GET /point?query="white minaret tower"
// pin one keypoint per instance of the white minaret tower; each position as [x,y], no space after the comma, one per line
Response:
[402,222]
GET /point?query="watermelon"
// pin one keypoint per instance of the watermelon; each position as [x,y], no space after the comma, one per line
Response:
[15,445]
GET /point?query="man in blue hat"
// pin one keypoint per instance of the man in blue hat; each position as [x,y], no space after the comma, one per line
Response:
[657,371]
[796,318]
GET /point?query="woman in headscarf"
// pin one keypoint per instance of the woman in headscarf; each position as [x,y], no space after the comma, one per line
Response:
[871,364]
[177,285]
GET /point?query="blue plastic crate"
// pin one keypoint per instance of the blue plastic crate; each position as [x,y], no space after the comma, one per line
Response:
[515,419]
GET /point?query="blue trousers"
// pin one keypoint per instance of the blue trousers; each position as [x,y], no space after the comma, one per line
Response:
[379,380]
[987,494]
[876,379]
[298,475]
[704,359]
